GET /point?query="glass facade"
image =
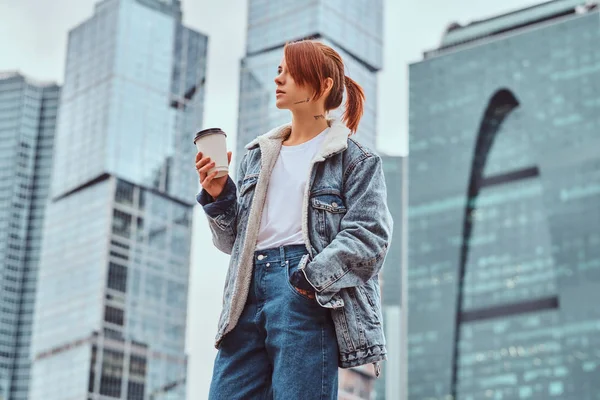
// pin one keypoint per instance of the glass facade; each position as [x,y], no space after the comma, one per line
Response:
[121,71]
[27,125]
[504,216]
[110,320]
[389,385]
[353,28]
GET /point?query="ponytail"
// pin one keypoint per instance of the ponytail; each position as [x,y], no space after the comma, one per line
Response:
[355,100]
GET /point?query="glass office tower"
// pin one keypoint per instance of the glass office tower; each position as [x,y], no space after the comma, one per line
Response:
[390,384]
[504,209]
[353,28]
[111,307]
[28,111]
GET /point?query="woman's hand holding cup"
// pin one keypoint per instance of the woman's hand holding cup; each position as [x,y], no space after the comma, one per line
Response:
[213,186]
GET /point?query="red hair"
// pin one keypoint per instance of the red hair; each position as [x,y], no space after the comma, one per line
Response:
[310,63]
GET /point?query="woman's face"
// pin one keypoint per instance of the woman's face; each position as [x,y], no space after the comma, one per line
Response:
[288,95]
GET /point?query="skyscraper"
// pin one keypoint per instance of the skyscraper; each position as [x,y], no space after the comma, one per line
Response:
[504,183]
[389,386]
[112,295]
[28,112]
[354,29]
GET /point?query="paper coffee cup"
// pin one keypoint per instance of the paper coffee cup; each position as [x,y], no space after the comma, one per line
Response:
[212,143]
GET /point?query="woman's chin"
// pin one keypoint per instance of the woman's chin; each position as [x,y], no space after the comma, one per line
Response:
[281,105]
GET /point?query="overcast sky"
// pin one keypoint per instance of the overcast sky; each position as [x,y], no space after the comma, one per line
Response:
[33,37]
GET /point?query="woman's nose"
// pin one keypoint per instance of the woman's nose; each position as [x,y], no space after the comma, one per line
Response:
[278,80]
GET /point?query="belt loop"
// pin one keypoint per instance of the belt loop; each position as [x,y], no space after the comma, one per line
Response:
[282,255]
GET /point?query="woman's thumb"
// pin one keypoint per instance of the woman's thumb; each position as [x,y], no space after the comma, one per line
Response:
[228,157]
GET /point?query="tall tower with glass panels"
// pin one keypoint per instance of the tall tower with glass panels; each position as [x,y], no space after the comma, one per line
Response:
[110,316]
[389,386]
[28,111]
[353,28]
[504,208]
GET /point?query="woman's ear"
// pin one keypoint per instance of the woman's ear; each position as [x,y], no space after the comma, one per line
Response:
[328,84]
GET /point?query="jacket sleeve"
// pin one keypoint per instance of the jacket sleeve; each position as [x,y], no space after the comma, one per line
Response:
[357,252]
[222,212]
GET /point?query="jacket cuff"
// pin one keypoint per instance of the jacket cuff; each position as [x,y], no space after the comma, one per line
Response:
[327,299]
[220,205]
[316,280]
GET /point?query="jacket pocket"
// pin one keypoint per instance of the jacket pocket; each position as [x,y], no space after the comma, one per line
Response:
[328,209]
[342,330]
[367,305]
[332,203]
[367,295]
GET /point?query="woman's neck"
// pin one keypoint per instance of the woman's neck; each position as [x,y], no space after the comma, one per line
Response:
[305,126]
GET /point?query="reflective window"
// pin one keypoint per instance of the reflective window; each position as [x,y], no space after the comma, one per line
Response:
[516,211]
[112,370]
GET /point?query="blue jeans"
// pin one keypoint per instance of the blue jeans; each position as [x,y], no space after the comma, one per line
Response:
[284,345]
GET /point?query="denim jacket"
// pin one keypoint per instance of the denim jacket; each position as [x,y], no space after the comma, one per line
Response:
[346,227]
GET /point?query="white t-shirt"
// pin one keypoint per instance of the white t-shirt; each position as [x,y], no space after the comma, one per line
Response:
[281,222]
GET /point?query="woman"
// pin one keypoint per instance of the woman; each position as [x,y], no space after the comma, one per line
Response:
[307,233]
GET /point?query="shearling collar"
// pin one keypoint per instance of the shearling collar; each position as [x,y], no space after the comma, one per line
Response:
[336,139]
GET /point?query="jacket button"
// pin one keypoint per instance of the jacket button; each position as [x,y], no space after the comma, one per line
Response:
[261,257]
[334,204]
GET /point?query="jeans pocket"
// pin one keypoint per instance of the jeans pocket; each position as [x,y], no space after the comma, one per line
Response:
[291,266]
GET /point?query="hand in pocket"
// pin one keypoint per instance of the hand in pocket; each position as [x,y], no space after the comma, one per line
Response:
[299,282]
